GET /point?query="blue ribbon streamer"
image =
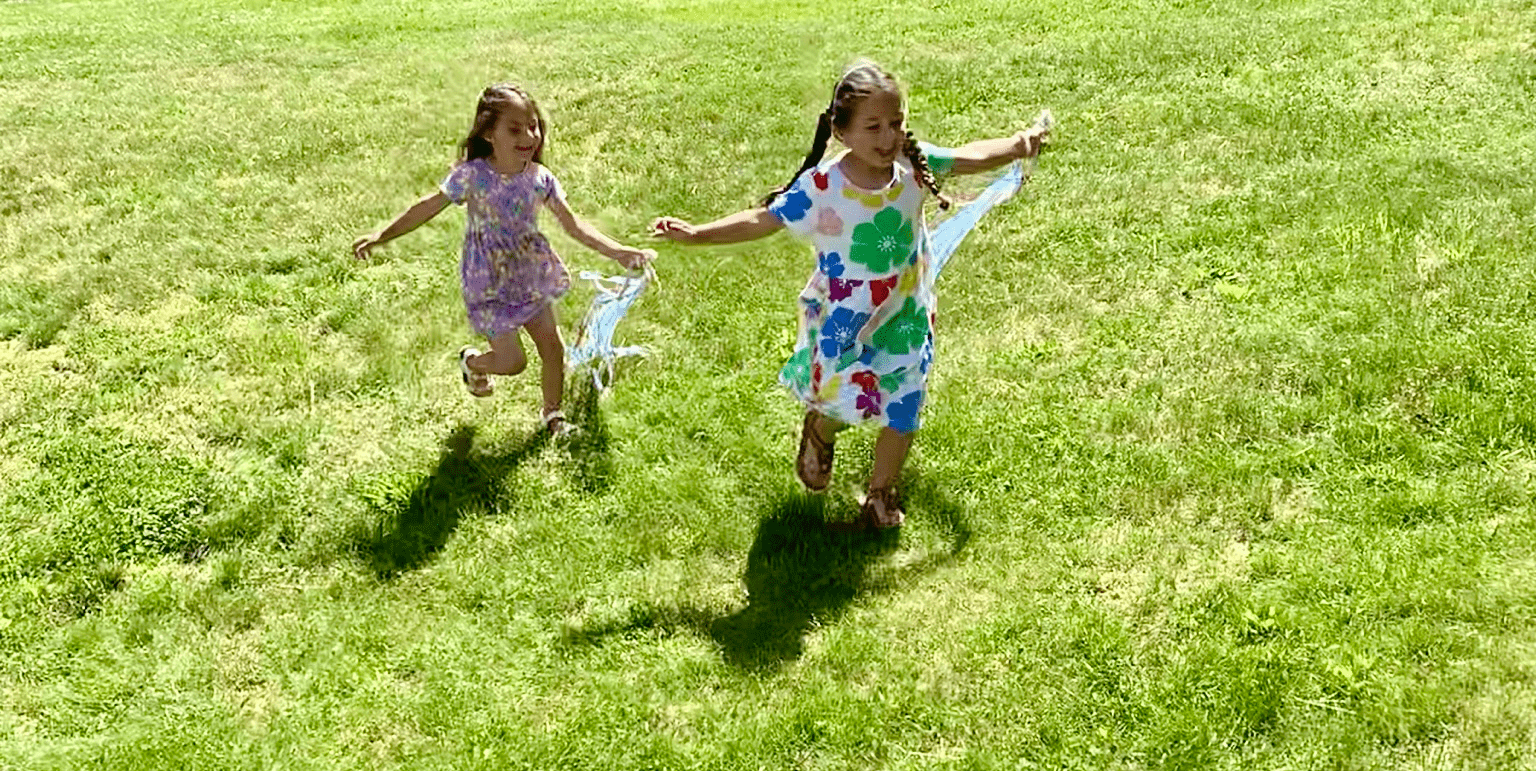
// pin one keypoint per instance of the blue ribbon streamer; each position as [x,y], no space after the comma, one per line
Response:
[594,338]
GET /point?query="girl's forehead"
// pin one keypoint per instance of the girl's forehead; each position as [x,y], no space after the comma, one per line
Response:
[881,105]
[518,111]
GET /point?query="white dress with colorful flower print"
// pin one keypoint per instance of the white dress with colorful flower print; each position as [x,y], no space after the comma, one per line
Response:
[866,324]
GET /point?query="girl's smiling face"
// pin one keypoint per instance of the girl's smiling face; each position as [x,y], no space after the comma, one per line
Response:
[517,135]
[876,133]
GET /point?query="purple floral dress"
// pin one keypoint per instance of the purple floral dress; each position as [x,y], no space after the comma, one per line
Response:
[509,271]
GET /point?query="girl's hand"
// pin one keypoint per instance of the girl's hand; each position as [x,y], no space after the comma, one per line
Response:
[365,245]
[1026,144]
[673,229]
[634,259]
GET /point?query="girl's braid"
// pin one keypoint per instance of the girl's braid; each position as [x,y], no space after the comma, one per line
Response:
[818,149]
[924,173]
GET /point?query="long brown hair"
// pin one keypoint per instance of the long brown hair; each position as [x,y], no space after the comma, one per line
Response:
[493,100]
[860,81]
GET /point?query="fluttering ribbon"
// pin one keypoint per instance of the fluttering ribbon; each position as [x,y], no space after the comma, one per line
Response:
[944,239]
[594,346]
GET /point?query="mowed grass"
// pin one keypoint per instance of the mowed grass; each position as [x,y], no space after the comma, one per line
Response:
[1228,462]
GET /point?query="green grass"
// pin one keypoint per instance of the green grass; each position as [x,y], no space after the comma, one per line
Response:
[1228,462]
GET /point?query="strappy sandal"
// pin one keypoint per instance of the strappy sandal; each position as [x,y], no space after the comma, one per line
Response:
[478,383]
[814,463]
[880,510]
[556,424]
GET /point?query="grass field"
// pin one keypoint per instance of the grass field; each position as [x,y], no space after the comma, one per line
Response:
[1228,465]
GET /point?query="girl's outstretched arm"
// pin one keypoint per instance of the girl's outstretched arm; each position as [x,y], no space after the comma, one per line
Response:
[986,154]
[594,239]
[410,219]
[747,225]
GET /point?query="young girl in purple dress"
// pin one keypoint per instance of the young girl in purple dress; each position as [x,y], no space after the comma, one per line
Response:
[511,276]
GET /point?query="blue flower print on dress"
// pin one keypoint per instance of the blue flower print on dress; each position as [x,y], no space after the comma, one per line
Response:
[840,329]
[901,415]
[830,264]
[927,356]
[791,206]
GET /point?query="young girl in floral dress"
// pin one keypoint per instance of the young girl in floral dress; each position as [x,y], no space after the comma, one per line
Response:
[511,276]
[866,316]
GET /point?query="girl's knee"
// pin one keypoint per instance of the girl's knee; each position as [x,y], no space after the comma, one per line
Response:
[513,365]
[506,361]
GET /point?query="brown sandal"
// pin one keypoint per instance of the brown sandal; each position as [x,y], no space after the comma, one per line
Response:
[814,464]
[880,510]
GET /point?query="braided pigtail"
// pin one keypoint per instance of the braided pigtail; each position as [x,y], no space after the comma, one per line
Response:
[924,174]
[818,149]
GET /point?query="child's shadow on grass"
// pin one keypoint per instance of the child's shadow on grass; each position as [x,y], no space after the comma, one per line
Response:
[802,574]
[468,479]
[415,528]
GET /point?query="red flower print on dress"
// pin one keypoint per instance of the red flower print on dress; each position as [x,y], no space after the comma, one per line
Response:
[879,289]
[868,381]
[820,179]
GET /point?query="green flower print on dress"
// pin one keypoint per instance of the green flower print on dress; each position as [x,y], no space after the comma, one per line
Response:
[906,331]
[882,242]
[798,369]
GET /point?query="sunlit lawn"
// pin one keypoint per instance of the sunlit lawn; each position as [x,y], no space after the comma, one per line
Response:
[1228,462]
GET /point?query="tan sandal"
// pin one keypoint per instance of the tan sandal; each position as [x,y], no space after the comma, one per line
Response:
[556,424]
[814,463]
[881,510]
[478,383]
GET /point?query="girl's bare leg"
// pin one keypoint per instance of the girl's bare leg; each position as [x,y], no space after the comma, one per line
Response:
[506,356]
[880,509]
[890,454]
[546,338]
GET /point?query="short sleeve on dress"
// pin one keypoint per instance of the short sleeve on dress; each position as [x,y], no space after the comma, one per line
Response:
[941,160]
[793,206]
[456,186]
[548,186]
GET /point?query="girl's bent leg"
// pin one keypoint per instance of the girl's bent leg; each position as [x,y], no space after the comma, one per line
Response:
[546,338]
[506,356]
[814,463]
